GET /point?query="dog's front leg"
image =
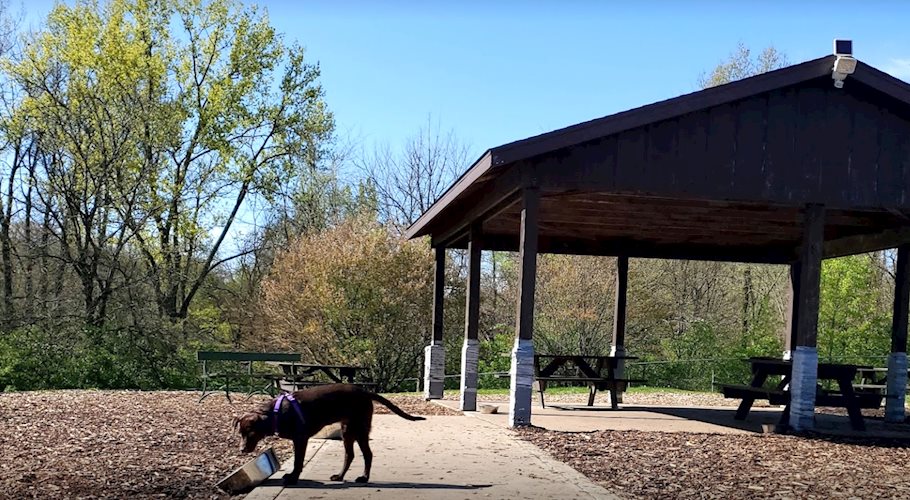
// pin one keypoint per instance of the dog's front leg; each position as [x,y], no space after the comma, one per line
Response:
[299,454]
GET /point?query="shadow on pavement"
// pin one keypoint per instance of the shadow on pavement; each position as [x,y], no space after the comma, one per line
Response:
[717,416]
[334,485]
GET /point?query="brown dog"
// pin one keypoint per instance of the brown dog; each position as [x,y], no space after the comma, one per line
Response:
[302,414]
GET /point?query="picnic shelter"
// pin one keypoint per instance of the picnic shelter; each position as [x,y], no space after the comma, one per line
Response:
[790,167]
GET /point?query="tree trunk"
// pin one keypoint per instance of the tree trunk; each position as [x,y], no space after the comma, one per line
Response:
[45,280]
[88,296]
[747,299]
[6,256]
[6,247]
[29,310]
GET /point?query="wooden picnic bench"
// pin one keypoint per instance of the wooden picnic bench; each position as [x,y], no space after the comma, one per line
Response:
[873,379]
[601,376]
[302,375]
[244,361]
[779,394]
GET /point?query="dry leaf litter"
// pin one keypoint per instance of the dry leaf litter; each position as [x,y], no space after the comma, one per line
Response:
[123,444]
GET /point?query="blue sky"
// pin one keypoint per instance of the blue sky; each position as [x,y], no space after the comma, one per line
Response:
[498,71]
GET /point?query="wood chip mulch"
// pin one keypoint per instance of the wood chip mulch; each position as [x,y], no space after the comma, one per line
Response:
[637,464]
[122,444]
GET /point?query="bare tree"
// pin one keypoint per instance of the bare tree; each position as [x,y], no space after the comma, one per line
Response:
[409,180]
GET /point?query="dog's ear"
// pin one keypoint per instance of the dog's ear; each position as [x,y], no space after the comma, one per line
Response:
[235,423]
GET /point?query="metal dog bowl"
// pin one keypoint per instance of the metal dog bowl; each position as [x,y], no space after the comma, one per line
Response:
[252,473]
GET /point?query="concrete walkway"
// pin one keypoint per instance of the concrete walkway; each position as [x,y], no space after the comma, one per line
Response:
[453,457]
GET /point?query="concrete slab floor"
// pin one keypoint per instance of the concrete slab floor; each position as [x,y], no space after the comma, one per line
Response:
[714,420]
[451,457]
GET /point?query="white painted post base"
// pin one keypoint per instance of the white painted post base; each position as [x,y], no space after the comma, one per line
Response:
[896,387]
[802,388]
[522,373]
[434,371]
[620,367]
[469,353]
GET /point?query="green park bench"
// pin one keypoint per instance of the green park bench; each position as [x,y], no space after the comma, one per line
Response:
[238,366]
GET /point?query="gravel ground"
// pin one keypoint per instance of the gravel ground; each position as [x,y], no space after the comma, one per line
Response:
[686,465]
[122,444]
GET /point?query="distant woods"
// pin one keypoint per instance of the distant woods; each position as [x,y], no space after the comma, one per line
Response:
[172,180]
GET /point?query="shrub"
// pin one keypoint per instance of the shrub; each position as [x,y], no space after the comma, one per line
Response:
[355,294]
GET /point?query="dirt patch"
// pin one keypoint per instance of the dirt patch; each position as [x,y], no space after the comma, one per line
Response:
[121,444]
[686,465]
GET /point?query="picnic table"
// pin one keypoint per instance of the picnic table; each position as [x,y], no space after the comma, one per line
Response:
[845,397]
[300,375]
[598,372]
[238,366]
[873,379]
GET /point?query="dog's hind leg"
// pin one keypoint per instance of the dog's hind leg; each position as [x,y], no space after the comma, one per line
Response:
[348,455]
[364,441]
[299,454]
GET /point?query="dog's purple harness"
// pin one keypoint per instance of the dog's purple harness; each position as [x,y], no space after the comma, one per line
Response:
[294,404]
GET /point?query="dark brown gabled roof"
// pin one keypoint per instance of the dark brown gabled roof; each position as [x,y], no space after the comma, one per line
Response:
[499,158]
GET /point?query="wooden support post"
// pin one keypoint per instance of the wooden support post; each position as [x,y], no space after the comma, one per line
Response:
[805,354]
[792,310]
[527,278]
[901,298]
[522,372]
[434,354]
[471,348]
[619,320]
[439,288]
[897,362]
[619,313]
[472,304]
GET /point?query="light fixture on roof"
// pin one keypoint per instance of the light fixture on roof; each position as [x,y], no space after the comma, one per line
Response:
[844,64]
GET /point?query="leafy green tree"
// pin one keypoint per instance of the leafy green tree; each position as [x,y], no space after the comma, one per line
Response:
[140,133]
[852,323]
[742,64]
[162,120]
[248,117]
[80,78]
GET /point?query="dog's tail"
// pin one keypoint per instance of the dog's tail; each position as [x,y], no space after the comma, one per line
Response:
[391,406]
